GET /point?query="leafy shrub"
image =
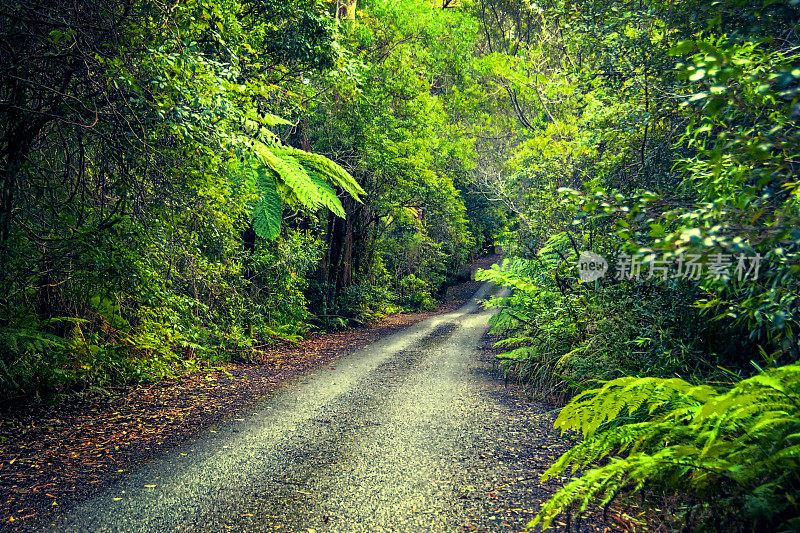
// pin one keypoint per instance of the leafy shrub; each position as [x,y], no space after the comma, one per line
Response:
[735,450]
[367,301]
[415,294]
[564,335]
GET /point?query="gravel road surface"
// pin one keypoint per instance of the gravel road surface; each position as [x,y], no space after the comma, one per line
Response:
[412,433]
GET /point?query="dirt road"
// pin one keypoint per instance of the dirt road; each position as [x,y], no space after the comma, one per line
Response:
[412,433]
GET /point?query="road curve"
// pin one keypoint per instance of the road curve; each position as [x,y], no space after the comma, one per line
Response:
[387,440]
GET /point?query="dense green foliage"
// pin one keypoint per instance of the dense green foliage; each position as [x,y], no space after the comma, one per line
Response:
[184,183]
[166,199]
[385,119]
[738,448]
[662,136]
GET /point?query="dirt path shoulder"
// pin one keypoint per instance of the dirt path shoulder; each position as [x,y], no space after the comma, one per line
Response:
[51,455]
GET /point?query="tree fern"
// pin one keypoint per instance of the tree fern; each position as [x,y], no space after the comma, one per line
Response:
[284,174]
[324,167]
[736,449]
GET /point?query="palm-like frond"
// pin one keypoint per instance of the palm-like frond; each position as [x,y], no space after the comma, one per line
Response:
[687,436]
[285,174]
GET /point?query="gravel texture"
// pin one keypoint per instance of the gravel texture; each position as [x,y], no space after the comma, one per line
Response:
[414,432]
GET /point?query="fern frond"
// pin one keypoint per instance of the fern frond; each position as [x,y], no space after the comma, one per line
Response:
[505,321]
[551,252]
[590,409]
[290,173]
[266,119]
[327,196]
[24,340]
[268,213]
[513,342]
[503,276]
[679,435]
[326,168]
[519,354]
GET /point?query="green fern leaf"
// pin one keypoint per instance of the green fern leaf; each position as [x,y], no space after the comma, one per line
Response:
[519,354]
[291,174]
[513,342]
[327,196]
[326,168]
[268,213]
[267,119]
[691,438]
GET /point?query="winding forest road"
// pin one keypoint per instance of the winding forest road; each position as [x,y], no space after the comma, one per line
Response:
[412,433]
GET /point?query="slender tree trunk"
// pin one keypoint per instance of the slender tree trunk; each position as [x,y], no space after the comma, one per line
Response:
[345,245]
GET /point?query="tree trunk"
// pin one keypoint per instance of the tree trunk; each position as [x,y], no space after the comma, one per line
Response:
[341,262]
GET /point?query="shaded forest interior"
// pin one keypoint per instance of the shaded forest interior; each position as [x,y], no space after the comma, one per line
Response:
[187,184]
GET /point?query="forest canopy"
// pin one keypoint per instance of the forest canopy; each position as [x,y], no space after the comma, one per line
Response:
[655,251]
[186,183]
